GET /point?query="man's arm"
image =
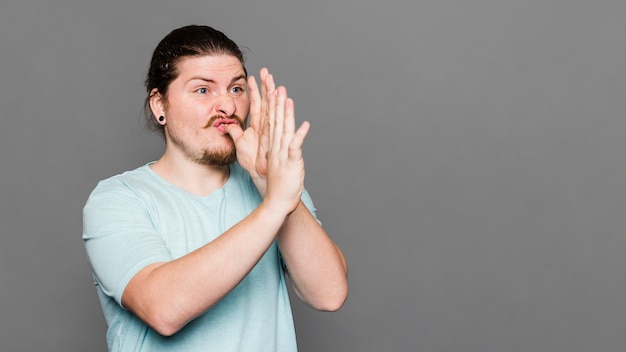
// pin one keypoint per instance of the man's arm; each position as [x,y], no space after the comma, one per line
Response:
[167,296]
[316,266]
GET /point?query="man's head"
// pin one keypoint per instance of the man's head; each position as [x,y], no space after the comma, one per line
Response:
[184,42]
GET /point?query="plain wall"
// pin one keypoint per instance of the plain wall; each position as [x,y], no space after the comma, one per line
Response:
[467,156]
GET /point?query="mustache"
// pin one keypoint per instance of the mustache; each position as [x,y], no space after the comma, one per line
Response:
[212,120]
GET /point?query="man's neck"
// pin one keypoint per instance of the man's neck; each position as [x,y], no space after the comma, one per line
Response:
[191,176]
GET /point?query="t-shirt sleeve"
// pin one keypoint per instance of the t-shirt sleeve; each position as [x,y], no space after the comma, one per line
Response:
[306,199]
[119,236]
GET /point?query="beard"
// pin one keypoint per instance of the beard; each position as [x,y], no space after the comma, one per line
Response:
[223,156]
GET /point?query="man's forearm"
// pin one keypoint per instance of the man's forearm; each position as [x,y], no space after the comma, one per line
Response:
[169,295]
[316,266]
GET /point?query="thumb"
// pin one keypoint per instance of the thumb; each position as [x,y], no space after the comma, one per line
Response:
[234,131]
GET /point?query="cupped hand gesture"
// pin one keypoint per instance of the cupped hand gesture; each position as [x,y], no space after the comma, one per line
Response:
[285,164]
[253,143]
[270,145]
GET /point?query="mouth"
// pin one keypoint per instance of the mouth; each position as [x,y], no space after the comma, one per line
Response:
[221,123]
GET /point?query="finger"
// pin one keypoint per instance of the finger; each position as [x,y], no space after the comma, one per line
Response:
[267,82]
[279,127]
[265,134]
[234,131]
[271,119]
[295,146]
[255,103]
[263,77]
[270,84]
[267,87]
[289,122]
[263,73]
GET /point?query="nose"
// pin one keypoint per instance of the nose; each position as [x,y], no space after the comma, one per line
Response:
[225,105]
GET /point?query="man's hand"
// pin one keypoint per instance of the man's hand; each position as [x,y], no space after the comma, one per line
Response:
[285,164]
[252,145]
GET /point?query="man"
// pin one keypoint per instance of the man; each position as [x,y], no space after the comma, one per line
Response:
[190,252]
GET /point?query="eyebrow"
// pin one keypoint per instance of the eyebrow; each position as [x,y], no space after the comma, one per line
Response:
[208,80]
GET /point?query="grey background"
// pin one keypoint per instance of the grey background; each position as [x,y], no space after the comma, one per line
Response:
[468,156]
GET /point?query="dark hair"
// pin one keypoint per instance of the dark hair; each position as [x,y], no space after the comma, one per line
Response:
[190,40]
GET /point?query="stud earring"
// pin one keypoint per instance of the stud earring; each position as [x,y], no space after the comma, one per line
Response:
[161,118]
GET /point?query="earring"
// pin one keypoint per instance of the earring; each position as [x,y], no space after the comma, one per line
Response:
[161,118]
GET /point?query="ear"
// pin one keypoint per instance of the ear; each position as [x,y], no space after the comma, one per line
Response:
[157,103]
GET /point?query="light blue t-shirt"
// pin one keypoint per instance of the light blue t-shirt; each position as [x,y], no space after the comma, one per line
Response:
[137,218]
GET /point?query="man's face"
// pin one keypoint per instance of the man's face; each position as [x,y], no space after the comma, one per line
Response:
[209,91]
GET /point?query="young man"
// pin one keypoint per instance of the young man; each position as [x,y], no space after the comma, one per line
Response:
[190,252]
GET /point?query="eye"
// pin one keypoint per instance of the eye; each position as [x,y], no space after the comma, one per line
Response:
[237,90]
[203,90]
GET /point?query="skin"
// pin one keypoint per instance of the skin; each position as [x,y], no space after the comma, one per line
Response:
[168,295]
